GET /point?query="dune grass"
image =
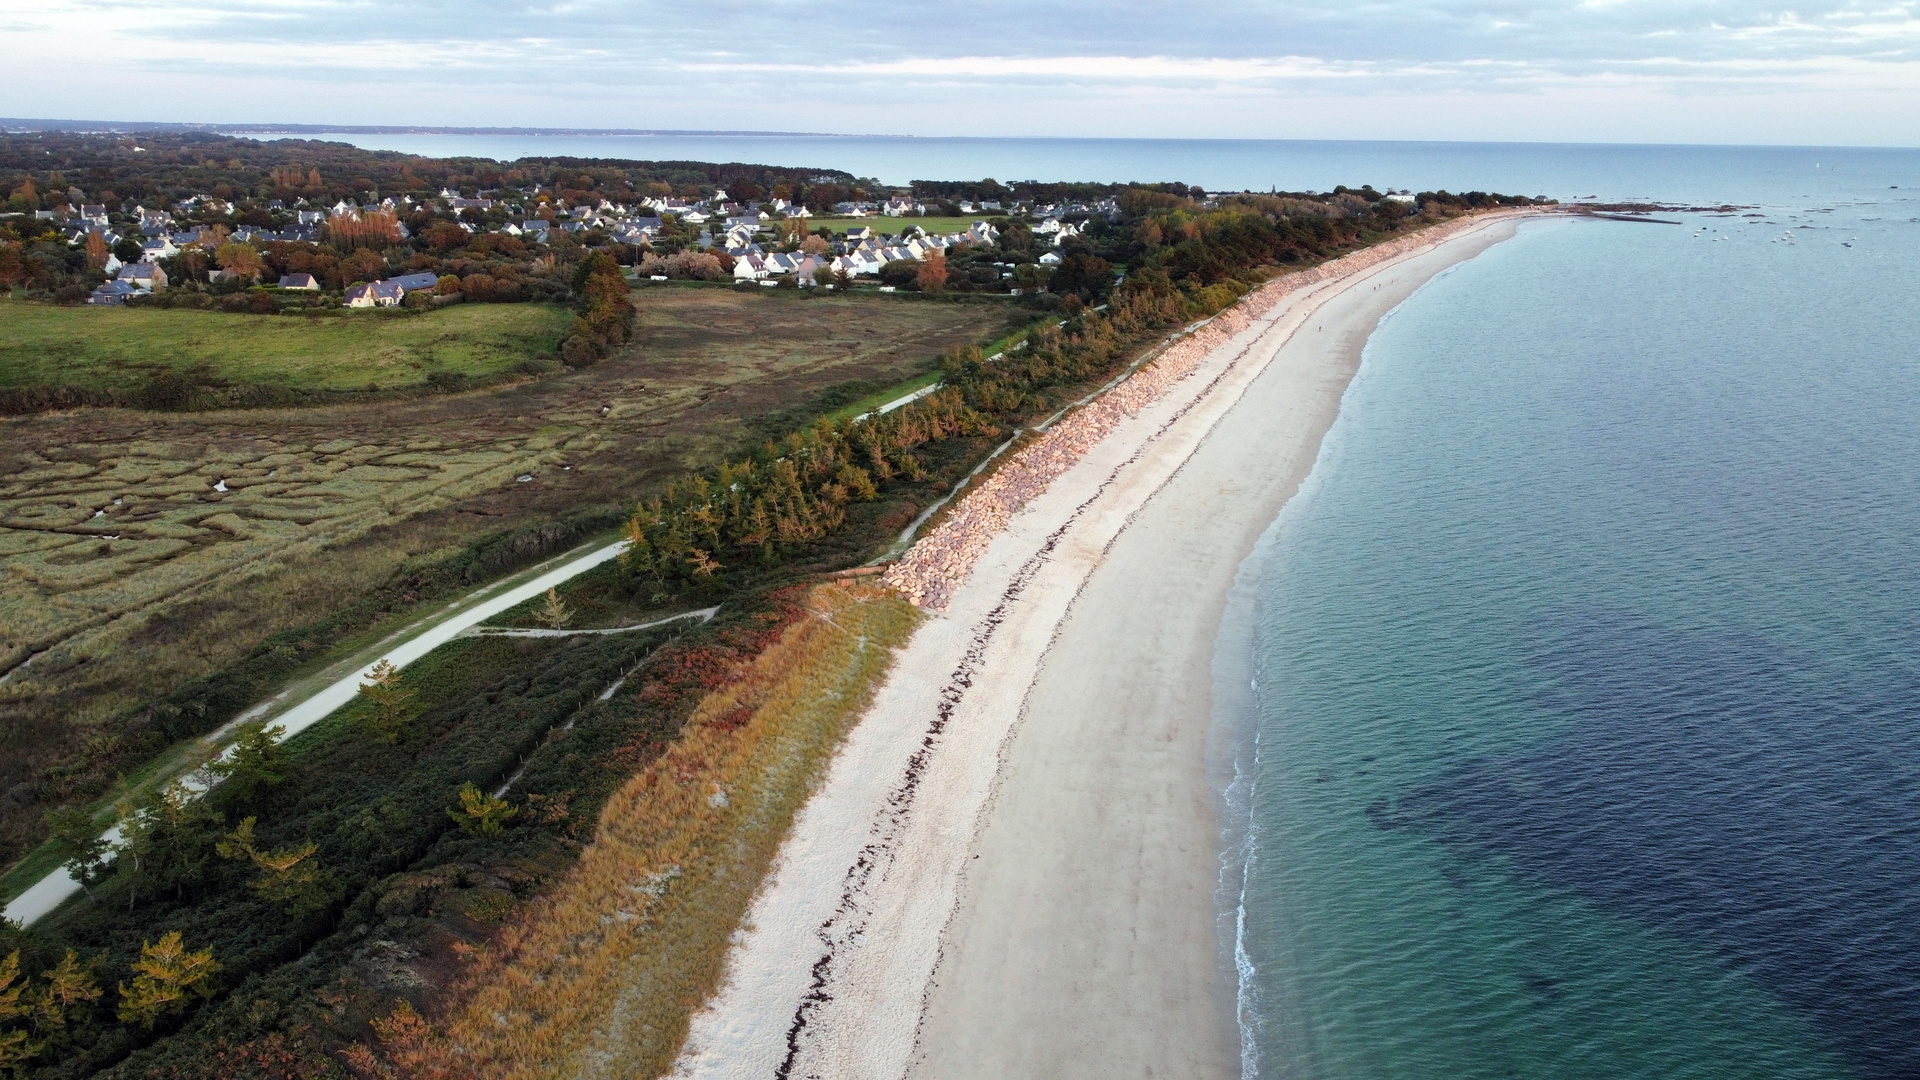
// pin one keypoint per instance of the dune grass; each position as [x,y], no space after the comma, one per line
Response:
[602,975]
[113,348]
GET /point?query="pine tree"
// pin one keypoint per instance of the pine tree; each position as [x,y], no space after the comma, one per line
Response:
[290,877]
[69,985]
[79,839]
[17,1046]
[166,980]
[393,704]
[555,613]
[480,813]
[256,762]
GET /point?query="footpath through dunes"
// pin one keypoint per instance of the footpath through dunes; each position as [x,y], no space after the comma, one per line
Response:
[1011,868]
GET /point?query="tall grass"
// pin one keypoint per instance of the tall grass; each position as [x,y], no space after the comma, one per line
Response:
[601,976]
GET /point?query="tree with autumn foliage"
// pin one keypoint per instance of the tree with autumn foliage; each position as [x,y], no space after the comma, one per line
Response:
[240,259]
[605,306]
[97,251]
[369,229]
[932,275]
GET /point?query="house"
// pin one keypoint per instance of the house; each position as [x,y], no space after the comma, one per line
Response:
[310,217]
[113,293]
[807,266]
[93,212]
[1051,258]
[155,250]
[154,221]
[300,281]
[750,268]
[145,276]
[536,228]
[407,283]
[859,233]
[374,294]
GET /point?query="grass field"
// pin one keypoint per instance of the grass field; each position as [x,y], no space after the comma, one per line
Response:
[142,550]
[896,225]
[121,348]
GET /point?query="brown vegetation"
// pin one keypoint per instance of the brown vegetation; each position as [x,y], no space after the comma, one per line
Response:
[609,966]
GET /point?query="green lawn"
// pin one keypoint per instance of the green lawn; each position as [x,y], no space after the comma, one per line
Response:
[121,348]
[896,225]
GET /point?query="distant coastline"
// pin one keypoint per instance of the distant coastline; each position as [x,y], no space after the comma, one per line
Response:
[20,124]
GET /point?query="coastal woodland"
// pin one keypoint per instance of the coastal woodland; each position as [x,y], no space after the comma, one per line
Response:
[207,498]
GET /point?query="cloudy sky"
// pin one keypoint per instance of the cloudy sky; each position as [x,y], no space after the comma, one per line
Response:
[1824,72]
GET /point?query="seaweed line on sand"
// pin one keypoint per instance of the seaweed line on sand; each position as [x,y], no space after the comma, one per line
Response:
[849,919]
[941,561]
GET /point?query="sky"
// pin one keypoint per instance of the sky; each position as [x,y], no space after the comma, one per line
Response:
[1707,71]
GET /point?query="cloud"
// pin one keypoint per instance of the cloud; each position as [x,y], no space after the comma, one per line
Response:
[862,65]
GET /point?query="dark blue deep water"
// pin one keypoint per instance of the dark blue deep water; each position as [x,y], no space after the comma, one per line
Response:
[1589,662]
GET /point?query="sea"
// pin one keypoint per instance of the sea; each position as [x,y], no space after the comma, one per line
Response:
[1586,737]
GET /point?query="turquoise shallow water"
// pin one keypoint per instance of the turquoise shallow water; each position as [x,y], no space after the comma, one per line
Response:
[1588,735]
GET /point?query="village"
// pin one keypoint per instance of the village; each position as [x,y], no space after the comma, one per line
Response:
[771,242]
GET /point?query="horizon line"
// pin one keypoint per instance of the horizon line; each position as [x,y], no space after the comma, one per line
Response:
[21,125]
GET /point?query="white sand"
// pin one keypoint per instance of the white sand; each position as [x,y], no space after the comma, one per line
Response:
[1010,869]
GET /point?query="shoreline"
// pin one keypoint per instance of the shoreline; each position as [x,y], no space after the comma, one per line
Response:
[1012,867]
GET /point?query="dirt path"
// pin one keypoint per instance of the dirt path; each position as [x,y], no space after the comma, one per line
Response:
[307,701]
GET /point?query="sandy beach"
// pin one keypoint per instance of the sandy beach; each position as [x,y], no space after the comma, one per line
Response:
[1011,868]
